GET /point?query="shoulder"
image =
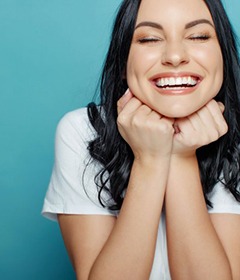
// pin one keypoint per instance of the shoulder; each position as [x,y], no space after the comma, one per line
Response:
[75,130]
[77,122]
[72,188]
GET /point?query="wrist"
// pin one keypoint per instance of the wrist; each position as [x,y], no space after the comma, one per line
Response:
[152,162]
[155,169]
[183,161]
[184,155]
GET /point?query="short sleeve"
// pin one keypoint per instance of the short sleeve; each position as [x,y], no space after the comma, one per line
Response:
[223,201]
[72,189]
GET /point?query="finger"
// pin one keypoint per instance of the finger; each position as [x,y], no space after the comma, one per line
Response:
[209,116]
[209,120]
[154,115]
[202,119]
[216,109]
[144,110]
[124,100]
[129,108]
[185,124]
[196,124]
[221,106]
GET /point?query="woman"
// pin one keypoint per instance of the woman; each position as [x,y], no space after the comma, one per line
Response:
[150,189]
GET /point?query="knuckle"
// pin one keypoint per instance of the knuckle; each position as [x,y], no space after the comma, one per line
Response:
[215,135]
[121,119]
[166,127]
[144,108]
[192,142]
[224,128]
[136,121]
[119,103]
[148,123]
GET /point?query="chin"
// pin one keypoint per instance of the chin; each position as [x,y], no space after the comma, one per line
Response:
[177,114]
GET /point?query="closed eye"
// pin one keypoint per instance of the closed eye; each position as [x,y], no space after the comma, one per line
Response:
[199,38]
[149,40]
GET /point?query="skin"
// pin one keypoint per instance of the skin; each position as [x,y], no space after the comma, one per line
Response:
[163,130]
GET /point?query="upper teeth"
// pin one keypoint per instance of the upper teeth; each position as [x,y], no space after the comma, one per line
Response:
[179,81]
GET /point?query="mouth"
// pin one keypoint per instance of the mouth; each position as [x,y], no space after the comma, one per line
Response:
[177,84]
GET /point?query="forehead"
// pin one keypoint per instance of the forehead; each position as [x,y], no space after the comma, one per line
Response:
[173,10]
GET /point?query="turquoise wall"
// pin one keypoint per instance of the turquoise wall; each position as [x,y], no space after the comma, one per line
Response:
[51,53]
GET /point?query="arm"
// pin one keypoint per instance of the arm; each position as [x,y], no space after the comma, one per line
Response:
[125,247]
[121,248]
[196,250]
[227,227]
[84,237]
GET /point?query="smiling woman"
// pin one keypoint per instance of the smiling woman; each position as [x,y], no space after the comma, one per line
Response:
[175,67]
[145,183]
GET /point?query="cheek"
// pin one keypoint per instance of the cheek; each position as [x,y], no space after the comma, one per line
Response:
[210,58]
[215,61]
[140,61]
[216,65]
[219,76]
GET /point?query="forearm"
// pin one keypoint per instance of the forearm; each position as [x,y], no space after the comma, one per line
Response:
[129,251]
[195,251]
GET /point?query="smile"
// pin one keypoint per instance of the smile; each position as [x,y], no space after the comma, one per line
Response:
[177,82]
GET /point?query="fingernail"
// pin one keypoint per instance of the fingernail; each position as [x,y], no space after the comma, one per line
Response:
[127,92]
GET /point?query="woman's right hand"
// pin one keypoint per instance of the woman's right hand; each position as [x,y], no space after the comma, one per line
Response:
[149,134]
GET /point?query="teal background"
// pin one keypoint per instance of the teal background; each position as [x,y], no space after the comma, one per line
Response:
[51,53]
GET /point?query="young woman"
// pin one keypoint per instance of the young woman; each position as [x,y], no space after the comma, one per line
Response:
[147,184]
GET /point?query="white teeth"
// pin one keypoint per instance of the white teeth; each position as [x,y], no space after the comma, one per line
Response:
[185,81]
[178,81]
[190,81]
[172,82]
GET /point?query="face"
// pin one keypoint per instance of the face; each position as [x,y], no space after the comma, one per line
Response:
[175,64]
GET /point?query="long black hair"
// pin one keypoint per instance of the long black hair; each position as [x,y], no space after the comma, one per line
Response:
[218,161]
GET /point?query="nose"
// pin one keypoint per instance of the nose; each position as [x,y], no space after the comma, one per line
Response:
[174,54]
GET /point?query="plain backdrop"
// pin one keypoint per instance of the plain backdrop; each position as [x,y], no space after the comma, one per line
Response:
[51,54]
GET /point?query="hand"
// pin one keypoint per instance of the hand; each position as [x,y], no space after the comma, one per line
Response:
[149,134]
[201,128]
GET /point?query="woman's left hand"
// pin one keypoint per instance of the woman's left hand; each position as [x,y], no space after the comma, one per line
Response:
[199,129]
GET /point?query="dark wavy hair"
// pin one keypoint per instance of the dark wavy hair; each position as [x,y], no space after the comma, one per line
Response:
[218,161]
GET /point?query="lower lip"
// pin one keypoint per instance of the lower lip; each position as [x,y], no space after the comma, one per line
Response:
[176,91]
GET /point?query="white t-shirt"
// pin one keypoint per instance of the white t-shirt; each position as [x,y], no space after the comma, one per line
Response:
[72,189]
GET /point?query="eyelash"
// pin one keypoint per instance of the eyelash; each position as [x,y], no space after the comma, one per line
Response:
[203,37]
[148,40]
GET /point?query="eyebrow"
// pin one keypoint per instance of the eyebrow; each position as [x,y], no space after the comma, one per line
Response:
[196,22]
[187,26]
